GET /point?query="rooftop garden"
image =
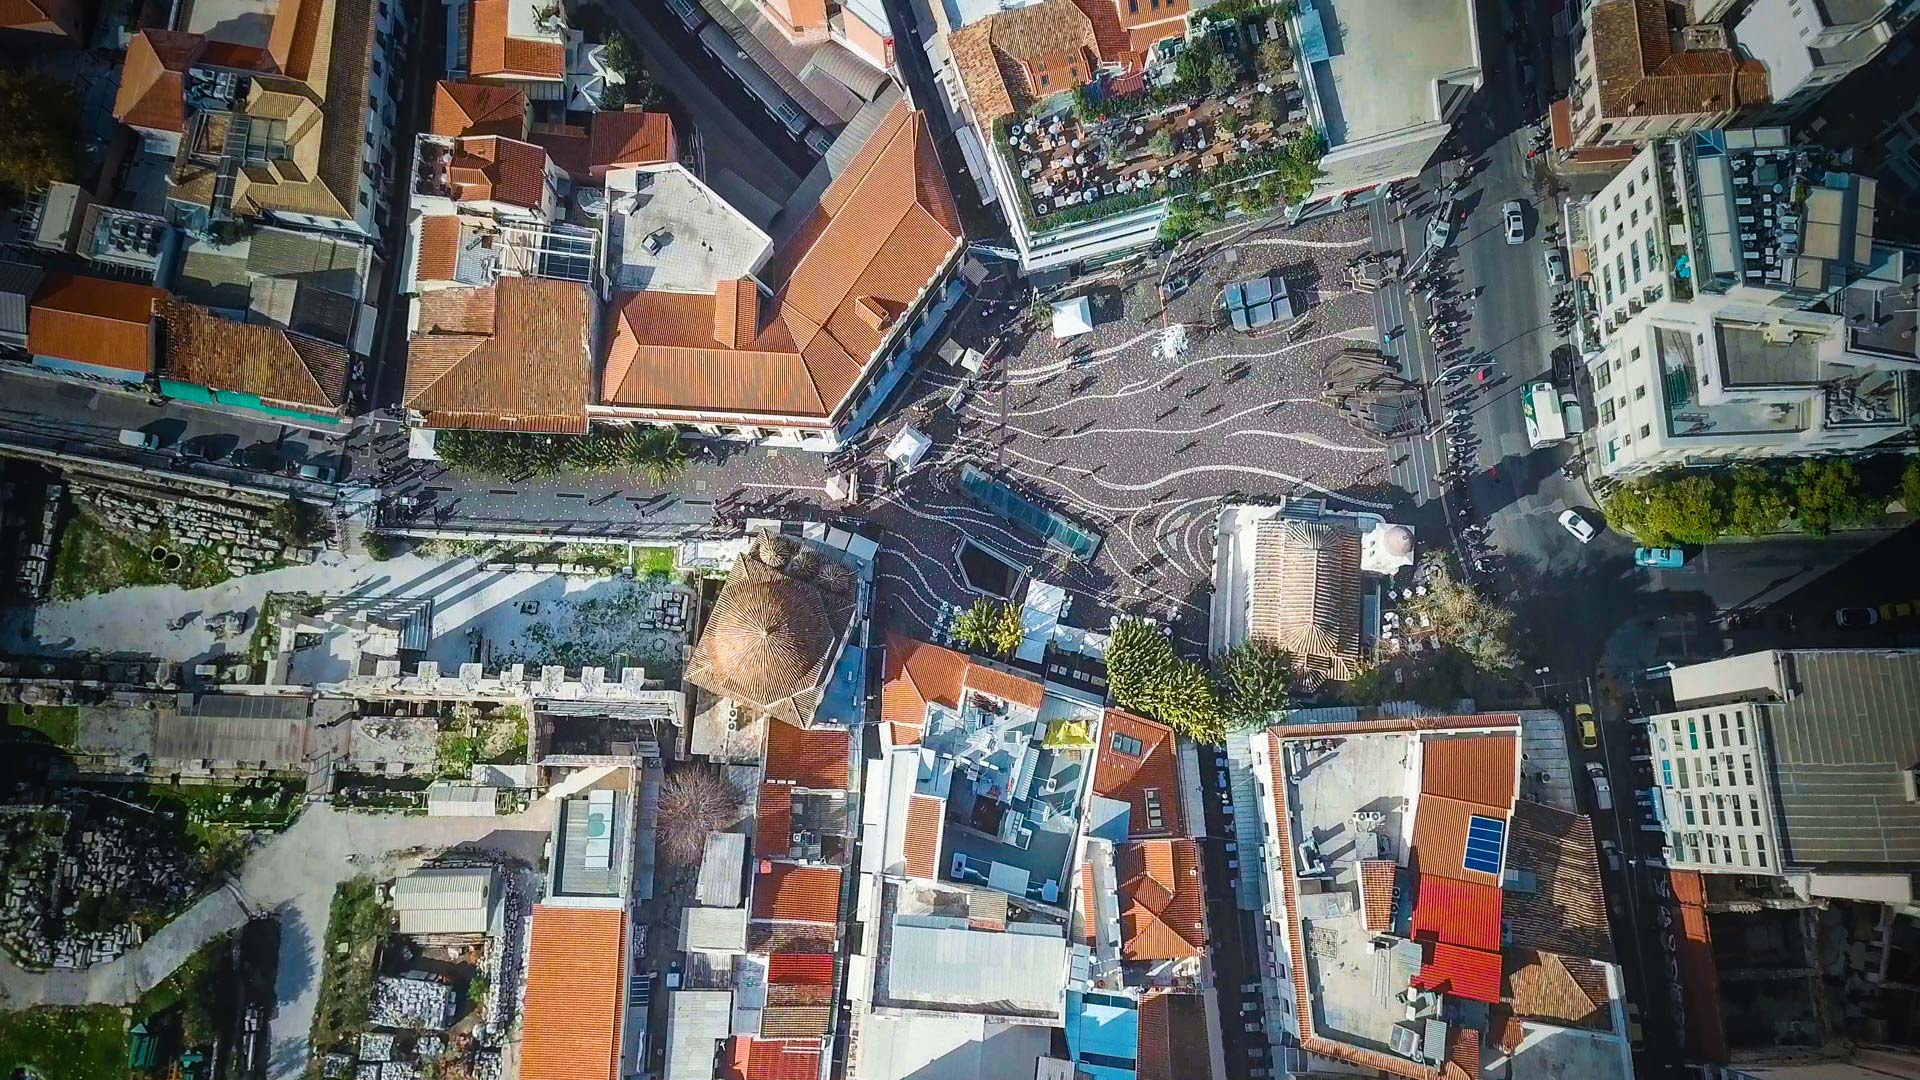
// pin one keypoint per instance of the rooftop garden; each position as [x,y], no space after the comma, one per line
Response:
[1222,130]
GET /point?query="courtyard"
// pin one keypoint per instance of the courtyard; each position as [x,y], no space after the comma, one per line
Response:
[1105,430]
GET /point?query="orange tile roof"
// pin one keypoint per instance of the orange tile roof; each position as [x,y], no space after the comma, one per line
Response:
[796,1021]
[152,92]
[1377,878]
[1472,768]
[736,312]
[1706,1031]
[439,251]
[1089,905]
[1110,38]
[1638,73]
[1004,685]
[1128,778]
[918,674]
[924,816]
[489,168]
[1440,838]
[1463,1049]
[1162,900]
[1460,971]
[280,367]
[809,757]
[631,138]
[90,320]
[800,969]
[773,822]
[884,230]
[570,1020]
[785,892]
[462,109]
[1172,1042]
[773,1059]
[512,356]
[1458,912]
[567,146]
[492,53]
[41,16]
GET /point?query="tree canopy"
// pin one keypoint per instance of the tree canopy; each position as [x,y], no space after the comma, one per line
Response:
[1145,675]
[990,627]
[1464,620]
[1253,680]
[37,143]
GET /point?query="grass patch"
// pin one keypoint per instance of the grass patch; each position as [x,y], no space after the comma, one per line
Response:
[59,723]
[65,1044]
[188,996]
[94,559]
[656,562]
[356,925]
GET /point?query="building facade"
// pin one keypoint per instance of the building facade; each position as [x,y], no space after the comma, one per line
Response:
[1809,45]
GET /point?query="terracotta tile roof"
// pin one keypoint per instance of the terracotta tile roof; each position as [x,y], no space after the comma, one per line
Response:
[986,909]
[1460,971]
[1048,37]
[439,250]
[1699,978]
[1173,1037]
[1128,778]
[1003,685]
[1478,769]
[1109,37]
[1638,73]
[1440,838]
[917,674]
[800,969]
[784,892]
[1565,910]
[1463,1049]
[1458,912]
[570,1020]
[527,370]
[769,644]
[152,92]
[773,1059]
[41,16]
[773,822]
[924,816]
[736,312]
[461,109]
[92,320]
[1089,907]
[767,937]
[809,757]
[492,53]
[567,146]
[883,232]
[1544,986]
[283,368]
[631,138]
[1377,881]
[489,168]
[1162,902]
[1306,596]
[799,995]
[989,91]
[796,1021]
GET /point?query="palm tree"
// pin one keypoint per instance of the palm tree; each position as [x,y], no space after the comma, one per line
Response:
[657,453]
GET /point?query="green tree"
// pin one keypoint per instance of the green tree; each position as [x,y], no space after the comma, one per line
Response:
[1145,675]
[1756,504]
[1273,57]
[1365,688]
[658,454]
[1910,486]
[1827,495]
[1667,509]
[1253,681]
[1195,62]
[37,142]
[1223,74]
[1161,143]
[1229,121]
[990,627]
[1273,109]
[1463,619]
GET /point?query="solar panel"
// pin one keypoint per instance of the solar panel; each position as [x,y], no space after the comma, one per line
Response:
[1484,835]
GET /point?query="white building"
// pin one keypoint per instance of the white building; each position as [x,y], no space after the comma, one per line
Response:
[1795,764]
[1809,45]
[1387,78]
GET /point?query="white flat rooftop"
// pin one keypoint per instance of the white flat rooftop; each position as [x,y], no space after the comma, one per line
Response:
[238,22]
[1383,58]
[700,238]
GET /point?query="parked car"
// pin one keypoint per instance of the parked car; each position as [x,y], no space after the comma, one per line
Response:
[1580,527]
[1556,261]
[1589,734]
[190,451]
[1897,610]
[1602,793]
[317,472]
[139,440]
[1516,221]
[1665,558]
[1612,853]
[1440,228]
[1854,618]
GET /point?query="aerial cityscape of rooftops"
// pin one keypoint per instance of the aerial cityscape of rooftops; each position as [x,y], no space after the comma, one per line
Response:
[959,539]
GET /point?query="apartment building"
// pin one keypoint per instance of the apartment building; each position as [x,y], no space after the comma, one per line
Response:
[1809,45]
[525,45]
[1639,75]
[859,25]
[1795,764]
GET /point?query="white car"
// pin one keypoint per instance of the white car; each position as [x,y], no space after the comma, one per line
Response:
[1580,527]
[1516,222]
[1556,261]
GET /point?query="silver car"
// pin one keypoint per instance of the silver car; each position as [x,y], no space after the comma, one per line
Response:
[1516,222]
[1556,261]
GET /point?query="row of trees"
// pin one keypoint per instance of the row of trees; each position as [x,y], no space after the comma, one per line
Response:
[37,140]
[653,452]
[1243,689]
[1817,495]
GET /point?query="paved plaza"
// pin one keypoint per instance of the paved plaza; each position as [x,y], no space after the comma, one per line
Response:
[1103,429]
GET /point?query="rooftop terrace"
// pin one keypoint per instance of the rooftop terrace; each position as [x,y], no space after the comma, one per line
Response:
[667,230]
[1376,62]
[1686,416]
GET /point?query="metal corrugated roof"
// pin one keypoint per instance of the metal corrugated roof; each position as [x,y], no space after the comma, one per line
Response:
[1021,973]
[696,1021]
[18,284]
[1840,749]
[722,870]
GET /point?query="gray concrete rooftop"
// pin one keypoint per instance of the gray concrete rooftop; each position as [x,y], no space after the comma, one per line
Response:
[701,239]
[1384,56]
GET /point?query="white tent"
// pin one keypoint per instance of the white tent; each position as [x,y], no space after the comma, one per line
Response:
[1071,318]
[908,447]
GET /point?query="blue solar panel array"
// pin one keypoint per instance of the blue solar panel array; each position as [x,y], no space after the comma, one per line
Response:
[1483,844]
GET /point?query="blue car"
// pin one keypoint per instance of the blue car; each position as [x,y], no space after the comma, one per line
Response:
[1666,558]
